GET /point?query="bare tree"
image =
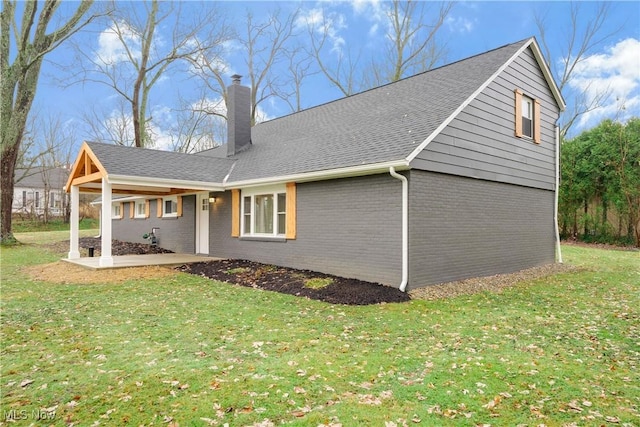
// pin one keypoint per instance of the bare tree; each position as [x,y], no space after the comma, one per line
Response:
[300,66]
[411,41]
[33,35]
[144,56]
[323,38]
[56,141]
[410,46]
[265,44]
[113,125]
[582,36]
[200,125]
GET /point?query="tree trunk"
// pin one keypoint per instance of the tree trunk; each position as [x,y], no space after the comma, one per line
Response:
[9,156]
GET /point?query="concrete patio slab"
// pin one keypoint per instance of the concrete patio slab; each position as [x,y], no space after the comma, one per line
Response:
[125,261]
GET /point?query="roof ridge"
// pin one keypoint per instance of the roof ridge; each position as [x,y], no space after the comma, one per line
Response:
[523,41]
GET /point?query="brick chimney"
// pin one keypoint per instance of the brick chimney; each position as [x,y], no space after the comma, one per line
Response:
[238,117]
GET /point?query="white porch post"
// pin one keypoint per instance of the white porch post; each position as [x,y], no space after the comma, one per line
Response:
[74,220]
[106,260]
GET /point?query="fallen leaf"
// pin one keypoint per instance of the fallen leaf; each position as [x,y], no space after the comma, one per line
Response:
[26,383]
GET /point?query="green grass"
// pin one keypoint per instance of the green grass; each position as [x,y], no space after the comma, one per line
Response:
[556,351]
[26,225]
[318,283]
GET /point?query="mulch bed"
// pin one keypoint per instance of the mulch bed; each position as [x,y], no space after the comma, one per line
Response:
[292,281]
[121,248]
[268,277]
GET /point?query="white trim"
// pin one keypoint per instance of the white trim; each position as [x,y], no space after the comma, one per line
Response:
[555,210]
[551,83]
[74,223]
[115,205]
[349,171]
[164,206]
[106,260]
[163,182]
[405,227]
[119,199]
[202,223]
[270,190]
[547,73]
[143,203]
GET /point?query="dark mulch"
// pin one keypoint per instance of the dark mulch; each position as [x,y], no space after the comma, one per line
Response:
[122,248]
[292,281]
[268,277]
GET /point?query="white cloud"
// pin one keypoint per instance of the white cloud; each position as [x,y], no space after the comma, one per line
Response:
[614,72]
[324,23]
[460,24]
[114,41]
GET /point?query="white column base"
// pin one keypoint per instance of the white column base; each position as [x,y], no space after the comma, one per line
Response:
[73,255]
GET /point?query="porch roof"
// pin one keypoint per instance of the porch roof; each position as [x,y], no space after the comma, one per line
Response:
[147,172]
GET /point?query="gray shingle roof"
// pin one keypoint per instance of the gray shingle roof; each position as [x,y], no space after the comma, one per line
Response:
[380,125]
[384,124]
[144,162]
[55,178]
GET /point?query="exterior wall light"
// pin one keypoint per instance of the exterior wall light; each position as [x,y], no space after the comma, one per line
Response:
[212,199]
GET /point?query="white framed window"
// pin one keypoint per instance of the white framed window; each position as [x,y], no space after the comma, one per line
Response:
[140,209]
[264,211]
[116,211]
[527,117]
[170,206]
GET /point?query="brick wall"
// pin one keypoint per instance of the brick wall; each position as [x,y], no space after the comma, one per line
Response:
[349,227]
[176,234]
[463,227]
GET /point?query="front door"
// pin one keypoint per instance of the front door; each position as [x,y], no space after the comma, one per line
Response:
[202,224]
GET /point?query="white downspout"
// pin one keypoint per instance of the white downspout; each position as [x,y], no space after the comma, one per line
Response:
[405,227]
[555,207]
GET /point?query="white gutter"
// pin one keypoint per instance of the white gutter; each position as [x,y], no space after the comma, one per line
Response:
[345,172]
[555,204]
[405,226]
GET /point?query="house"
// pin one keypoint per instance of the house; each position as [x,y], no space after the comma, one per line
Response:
[445,175]
[40,190]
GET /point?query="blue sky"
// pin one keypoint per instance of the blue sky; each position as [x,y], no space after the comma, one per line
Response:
[471,28]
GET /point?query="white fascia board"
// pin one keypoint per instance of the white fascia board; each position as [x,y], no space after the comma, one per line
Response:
[163,182]
[482,87]
[118,199]
[547,74]
[351,171]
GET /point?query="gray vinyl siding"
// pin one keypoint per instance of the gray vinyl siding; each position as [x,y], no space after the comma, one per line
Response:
[176,234]
[461,227]
[347,227]
[481,143]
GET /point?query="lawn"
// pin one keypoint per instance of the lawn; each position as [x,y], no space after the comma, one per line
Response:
[184,350]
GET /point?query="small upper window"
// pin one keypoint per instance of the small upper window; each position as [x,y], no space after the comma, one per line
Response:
[141,209]
[116,211]
[170,205]
[527,117]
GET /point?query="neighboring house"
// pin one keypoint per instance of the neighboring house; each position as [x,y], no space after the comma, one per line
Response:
[38,190]
[445,175]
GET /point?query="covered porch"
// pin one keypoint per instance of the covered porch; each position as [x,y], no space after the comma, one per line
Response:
[109,171]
